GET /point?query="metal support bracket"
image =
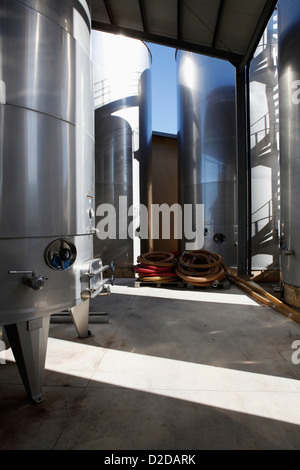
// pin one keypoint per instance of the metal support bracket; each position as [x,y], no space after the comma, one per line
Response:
[80,317]
[28,341]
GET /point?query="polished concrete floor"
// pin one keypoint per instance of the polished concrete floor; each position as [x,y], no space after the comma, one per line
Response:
[165,369]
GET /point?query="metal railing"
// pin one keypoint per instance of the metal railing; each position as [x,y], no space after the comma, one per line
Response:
[268,218]
[103,89]
[264,124]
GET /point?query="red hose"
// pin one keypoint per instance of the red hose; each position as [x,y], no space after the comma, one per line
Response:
[196,267]
[156,266]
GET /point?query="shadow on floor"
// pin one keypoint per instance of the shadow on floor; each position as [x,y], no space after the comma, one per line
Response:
[162,373]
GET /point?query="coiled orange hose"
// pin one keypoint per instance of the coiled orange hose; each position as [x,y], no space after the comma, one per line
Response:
[201,268]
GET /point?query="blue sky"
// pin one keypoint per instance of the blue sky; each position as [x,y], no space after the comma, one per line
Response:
[164,89]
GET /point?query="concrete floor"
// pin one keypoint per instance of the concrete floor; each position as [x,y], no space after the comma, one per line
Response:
[166,369]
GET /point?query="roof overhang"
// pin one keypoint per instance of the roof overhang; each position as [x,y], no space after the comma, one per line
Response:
[226,29]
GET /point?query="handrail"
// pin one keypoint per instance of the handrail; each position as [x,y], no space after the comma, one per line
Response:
[103,88]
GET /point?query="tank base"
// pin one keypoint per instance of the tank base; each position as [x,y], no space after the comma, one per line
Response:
[292,295]
[80,317]
[28,341]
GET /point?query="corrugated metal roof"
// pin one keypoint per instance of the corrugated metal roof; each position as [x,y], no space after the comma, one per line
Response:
[228,29]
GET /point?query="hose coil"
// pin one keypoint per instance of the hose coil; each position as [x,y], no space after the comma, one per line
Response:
[156,266]
[201,268]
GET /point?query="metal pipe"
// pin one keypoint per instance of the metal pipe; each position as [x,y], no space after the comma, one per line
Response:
[249,173]
[266,298]
[242,167]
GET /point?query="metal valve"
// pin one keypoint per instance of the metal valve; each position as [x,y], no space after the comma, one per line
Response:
[284,248]
[34,281]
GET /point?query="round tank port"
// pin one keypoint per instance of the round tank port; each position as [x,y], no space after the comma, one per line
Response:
[60,254]
[219,238]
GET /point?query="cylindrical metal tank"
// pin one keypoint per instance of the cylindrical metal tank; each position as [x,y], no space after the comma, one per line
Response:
[289,106]
[264,140]
[46,168]
[207,148]
[123,132]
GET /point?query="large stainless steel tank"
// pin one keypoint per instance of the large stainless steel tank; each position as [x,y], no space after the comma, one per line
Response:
[207,147]
[123,132]
[289,105]
[46,174]
[264,121]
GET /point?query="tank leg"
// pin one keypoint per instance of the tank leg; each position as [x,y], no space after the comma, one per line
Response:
[80,317]
[28,341]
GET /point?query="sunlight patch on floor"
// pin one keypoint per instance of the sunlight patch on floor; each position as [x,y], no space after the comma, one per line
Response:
[255,394]
[186,294]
